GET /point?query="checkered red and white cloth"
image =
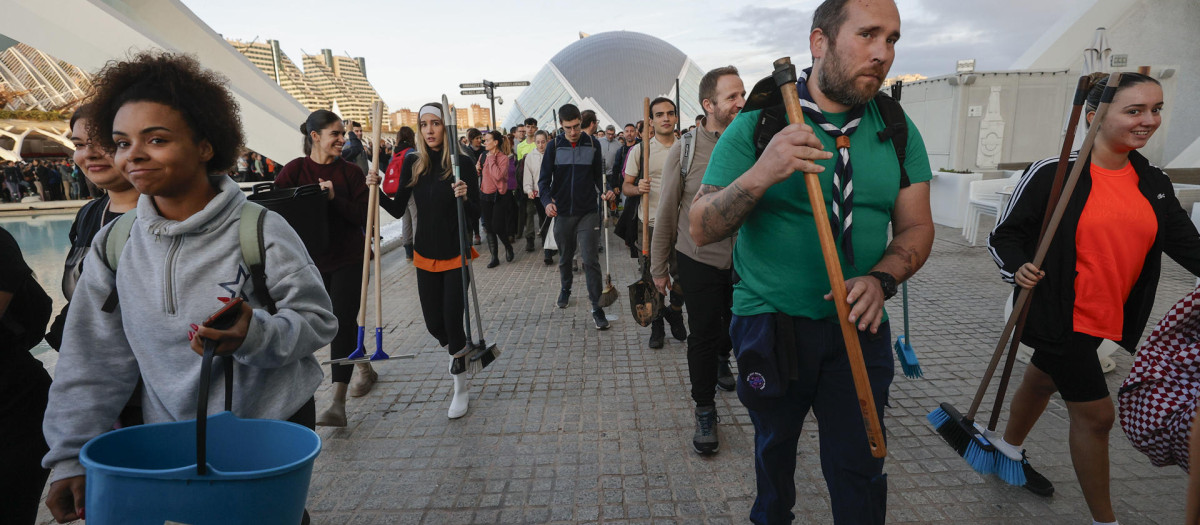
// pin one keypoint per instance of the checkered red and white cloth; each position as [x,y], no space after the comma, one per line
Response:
[1158,398]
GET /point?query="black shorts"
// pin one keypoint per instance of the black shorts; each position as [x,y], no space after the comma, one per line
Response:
[1074,367]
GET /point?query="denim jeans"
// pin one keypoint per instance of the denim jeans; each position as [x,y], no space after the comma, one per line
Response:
[583,232]
[823,383]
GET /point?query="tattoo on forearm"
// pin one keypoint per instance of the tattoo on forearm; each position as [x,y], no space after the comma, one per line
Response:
[724,209]
[909,259]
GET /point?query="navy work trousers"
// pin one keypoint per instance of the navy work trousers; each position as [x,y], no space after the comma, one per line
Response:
[856,482]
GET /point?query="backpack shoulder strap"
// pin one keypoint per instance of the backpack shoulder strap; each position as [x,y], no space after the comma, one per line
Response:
[114,244]
[895,127]
[254,251]
[117,237]
[685,156]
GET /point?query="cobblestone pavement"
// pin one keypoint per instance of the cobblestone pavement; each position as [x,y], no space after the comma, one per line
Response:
[573,425]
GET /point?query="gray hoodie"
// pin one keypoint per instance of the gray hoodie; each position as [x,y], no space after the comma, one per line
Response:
[170,275]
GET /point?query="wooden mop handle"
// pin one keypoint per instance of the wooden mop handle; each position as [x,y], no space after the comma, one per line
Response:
[858,368]
[646,134]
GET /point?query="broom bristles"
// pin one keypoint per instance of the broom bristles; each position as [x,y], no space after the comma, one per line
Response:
[982,461]
[1012,472]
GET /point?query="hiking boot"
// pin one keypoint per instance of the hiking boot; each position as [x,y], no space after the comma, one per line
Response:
[705,441]
[675,318]
[657,334]
[549,257]
[725,379]
[563,297]
[600,319]
[1035,482]
[529,244]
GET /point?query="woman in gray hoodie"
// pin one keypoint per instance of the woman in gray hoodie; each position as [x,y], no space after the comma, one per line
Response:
[172,124]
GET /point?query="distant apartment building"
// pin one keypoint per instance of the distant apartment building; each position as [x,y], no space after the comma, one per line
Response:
[326,79]
[31,79]
[404,117]
[480,117]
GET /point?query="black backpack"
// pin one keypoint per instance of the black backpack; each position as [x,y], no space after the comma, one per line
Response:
[767,97]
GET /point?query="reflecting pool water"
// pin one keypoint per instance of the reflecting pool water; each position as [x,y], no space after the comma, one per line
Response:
[44,244]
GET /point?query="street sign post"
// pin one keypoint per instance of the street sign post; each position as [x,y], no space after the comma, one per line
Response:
[489,90]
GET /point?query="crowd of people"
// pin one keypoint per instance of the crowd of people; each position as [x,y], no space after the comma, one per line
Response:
[730,243]
[45,180]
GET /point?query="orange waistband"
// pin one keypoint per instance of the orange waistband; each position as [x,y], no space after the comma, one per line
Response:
[440,265]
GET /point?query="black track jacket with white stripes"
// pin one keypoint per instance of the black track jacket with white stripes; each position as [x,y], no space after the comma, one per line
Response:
[1014,242]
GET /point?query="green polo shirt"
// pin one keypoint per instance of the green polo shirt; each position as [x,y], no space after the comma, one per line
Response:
[778,253]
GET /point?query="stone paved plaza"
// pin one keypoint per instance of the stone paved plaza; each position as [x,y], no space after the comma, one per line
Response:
[573,425]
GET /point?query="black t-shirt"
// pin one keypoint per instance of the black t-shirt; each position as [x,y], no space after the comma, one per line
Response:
[24,321]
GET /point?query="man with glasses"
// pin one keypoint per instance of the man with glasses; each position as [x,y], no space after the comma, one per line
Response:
[570,179]
[663,117]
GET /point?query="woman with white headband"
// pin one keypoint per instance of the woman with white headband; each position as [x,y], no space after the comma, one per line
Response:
[427,177]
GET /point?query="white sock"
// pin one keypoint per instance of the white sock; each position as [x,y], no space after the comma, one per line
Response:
[1094,522]
[1018,447]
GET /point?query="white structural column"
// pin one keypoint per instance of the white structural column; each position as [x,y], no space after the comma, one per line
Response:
[104,30]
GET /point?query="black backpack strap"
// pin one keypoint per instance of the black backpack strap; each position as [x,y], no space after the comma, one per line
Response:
[895,127]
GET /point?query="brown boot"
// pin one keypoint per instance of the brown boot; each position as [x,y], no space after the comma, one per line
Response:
[335,415]
[364,378]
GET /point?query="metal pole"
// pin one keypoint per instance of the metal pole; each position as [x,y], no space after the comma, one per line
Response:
[492,98]
[678,111]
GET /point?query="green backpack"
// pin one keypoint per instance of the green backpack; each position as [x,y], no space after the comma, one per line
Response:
[250,238]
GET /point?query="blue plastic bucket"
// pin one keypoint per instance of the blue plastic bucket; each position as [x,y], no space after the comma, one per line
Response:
[257,472]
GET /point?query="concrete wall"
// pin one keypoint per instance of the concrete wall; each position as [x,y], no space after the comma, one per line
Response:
[1032,105]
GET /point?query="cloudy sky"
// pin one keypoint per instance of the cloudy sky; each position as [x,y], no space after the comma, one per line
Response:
[416,50]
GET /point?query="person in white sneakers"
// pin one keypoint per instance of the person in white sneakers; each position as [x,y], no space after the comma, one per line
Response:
[427,178]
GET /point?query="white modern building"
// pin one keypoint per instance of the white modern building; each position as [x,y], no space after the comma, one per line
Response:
[89,33]
[611,73]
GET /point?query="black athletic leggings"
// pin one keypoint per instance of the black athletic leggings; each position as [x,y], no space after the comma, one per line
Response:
[344,285]
[442,306]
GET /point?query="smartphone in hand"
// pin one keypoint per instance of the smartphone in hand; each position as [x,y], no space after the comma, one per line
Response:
[227,316]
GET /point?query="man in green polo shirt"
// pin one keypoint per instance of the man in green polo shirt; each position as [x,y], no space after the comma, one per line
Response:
[791,355]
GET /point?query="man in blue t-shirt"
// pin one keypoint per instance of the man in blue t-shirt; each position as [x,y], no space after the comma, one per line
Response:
[782,312]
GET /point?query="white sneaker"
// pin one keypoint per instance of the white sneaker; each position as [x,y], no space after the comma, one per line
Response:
[1010,451]
[458,403]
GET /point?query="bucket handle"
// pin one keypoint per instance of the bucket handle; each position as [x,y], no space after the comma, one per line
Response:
[210,350]
[309,189]
[262,186]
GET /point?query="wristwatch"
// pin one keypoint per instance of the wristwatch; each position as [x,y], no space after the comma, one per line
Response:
[887,282]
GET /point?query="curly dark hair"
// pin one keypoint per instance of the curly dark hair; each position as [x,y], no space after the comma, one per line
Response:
[177,81]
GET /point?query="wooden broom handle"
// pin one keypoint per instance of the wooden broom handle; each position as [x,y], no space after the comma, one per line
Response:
[1060,208]
[1060,175]
[646,134]
[858,367]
